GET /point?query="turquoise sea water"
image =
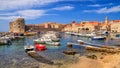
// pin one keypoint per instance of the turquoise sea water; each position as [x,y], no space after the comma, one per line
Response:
[14,56]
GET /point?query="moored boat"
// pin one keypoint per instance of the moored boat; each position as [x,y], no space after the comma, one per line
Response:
[98,38]
[80,41]
[67,32]
[39,41]
[40,47]
[5,41]
[53,43]
[55,39]
[29,48]
[90,35]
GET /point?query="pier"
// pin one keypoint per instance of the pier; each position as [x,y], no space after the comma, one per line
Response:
[98,48]
[39,58]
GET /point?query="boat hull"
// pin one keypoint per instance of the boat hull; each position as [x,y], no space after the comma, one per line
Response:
[98,38]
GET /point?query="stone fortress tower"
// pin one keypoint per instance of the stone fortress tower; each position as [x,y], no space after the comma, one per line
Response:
[18,26]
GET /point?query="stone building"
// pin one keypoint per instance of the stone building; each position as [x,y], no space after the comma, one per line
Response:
[17,26]
[82,26]
[33,27]
[90,26]
[115,26]
[48,26]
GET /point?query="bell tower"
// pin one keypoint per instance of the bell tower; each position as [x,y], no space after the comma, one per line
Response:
[106,20]
[108,28]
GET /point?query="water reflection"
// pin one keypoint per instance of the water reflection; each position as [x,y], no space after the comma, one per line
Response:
[108,39]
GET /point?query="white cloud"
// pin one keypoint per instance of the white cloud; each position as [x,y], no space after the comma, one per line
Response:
[8,17]
[31,14]
[100,5]
[22,4]
[106,10]
[64,8]
[27,14]
[95,5]
[78,0]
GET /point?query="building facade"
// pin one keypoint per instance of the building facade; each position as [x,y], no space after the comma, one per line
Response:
[18,26]
[111,26]
[115,26]
[48,26]
[82,26]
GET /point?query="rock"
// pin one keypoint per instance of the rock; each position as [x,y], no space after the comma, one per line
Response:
[70,52]
[92,56]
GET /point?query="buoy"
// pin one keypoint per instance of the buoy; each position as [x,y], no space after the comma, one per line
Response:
[40,47]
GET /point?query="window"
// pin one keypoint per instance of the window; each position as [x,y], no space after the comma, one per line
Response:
[18,26]
[18,23]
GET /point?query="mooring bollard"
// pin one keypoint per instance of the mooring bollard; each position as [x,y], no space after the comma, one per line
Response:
[69,44]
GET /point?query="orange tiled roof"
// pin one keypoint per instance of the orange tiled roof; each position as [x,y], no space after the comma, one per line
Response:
[95,23]
[79,24]
[116,21]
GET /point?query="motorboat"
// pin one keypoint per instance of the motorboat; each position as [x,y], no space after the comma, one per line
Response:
[55,39]
[28,48]
[67,32]
[49,36]
[80,41]
[98,38]
[90,35]
[79,34]
[53,43]
[40,47]
[5,41]
[39,41]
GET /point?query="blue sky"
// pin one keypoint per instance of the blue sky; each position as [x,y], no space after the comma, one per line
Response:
[61,11]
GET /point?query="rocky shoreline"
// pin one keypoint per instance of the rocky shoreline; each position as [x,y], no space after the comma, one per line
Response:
[98,60]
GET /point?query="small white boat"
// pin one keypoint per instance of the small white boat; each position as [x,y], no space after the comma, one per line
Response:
[53,43]
[73,33]
[55,39]
[98,38]
[81,41]
[67,32]
[79,34]
[90,35]
[5,41]
[42,40]
[28,48]
[39,41]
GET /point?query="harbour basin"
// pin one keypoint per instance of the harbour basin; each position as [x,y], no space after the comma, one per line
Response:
[14,56]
